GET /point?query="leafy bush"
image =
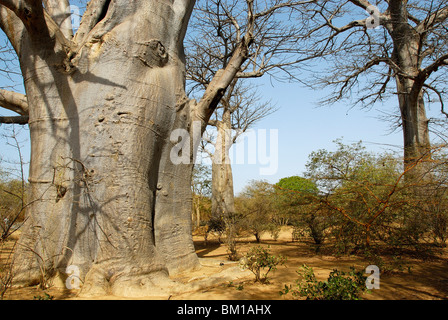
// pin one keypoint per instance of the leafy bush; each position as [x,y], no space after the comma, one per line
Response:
[339,285]
[258,259]
[256,207]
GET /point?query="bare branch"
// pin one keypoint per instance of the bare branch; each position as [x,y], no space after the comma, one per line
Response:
[59,11]
[278,6]
[433,67]
[14,101]
[439,94]
[22,120]
[438,16]
[95,8]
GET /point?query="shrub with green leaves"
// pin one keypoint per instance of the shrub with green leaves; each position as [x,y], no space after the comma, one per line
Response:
[340,285]
[259,260]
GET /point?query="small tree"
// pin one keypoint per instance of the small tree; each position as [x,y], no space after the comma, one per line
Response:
[257,206]
[297,202]
[370,199]
[340,285]
[259,260]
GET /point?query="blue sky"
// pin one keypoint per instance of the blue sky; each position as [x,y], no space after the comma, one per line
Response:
[304,127]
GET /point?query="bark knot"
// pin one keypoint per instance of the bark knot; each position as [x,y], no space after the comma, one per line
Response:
[152,53]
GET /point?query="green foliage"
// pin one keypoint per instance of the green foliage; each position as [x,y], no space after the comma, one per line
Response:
[356,201]
[339,285]
[297,202]
[46,296]
[296,184]
[259,260]
[365,193]
[256,207]
[238,287]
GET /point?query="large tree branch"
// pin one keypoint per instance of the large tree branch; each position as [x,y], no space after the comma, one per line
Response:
[433,67]
[13,27]
[22,120]
[30,12]
[40,25]
[224,77]
[90,18]
[364,4]
[218,86]
[438,16]
[59,11]
[14,101]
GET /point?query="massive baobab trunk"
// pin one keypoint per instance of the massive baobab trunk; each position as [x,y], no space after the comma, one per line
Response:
[105,196]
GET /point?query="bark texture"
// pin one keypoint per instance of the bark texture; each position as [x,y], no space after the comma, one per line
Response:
[105,196]
[223,206]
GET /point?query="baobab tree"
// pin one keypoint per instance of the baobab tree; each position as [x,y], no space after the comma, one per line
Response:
[101,104]
[238,111]
[378,49]
[275,50]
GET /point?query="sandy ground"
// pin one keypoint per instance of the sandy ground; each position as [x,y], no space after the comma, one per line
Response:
[417,280]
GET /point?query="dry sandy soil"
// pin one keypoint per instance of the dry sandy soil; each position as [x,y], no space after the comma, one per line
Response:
[415,279]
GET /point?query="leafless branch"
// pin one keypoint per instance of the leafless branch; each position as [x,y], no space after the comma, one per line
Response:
[21,120]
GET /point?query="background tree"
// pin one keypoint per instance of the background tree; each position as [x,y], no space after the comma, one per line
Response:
[105,194]
[219,27]
[256,205]
[238,111]
[297,202]
[379,49]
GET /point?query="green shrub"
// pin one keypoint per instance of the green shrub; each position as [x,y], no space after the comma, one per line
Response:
[339,285]
[258,260]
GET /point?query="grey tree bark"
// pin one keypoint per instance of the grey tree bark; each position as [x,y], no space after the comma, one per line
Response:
[105,196]
[223,205]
